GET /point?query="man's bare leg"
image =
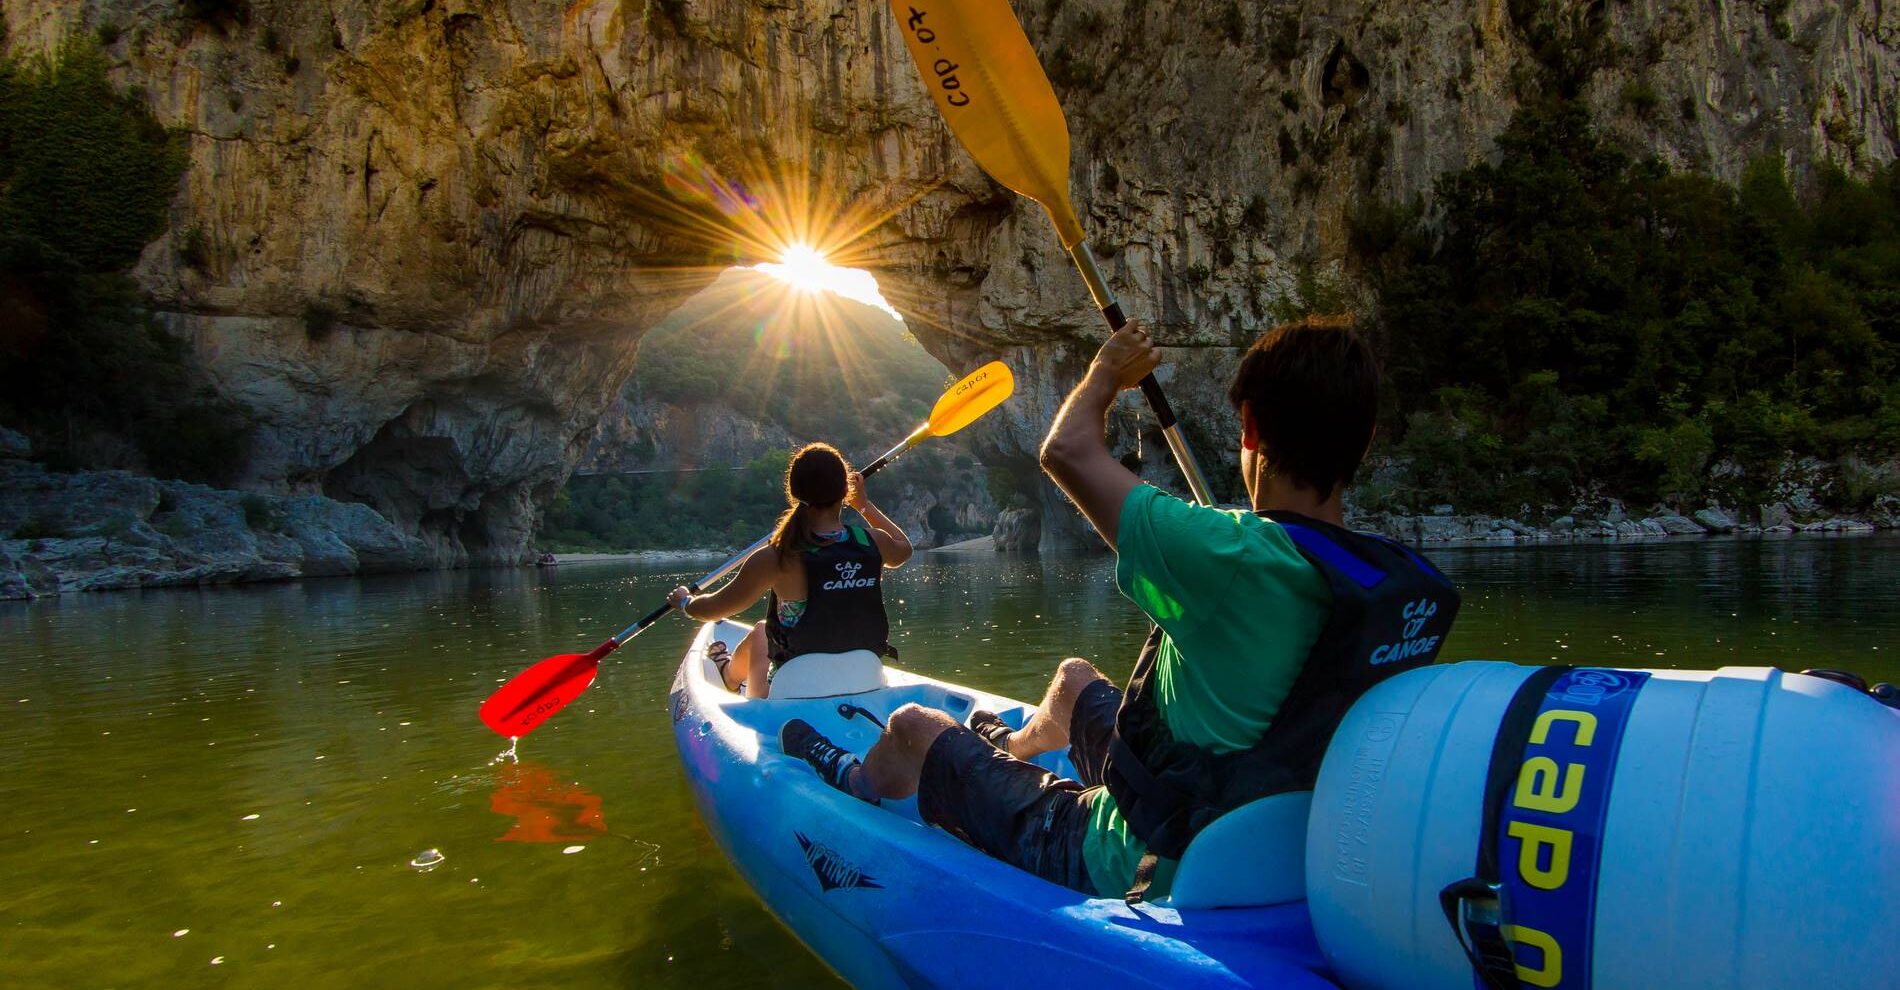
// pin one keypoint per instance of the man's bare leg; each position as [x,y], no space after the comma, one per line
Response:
[1048,728]
[896,761]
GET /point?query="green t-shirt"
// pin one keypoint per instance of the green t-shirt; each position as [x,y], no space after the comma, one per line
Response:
[1238,608]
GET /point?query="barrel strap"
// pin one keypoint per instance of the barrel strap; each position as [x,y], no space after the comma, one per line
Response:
[1144,878]
[1474,905]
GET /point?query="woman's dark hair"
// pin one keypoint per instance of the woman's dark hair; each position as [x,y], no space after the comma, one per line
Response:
[815,479]
[1312,389]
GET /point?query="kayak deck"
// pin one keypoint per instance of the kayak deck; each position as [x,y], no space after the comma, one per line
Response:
[889,901]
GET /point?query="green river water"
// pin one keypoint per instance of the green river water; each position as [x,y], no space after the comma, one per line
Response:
[226,787]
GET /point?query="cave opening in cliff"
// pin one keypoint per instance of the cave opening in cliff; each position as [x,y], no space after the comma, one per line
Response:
[807,269]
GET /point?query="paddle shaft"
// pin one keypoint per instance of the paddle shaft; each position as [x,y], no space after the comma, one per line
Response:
[732,563]
[1164,414]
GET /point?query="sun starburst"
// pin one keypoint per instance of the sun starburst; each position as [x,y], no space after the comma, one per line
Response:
[806,269]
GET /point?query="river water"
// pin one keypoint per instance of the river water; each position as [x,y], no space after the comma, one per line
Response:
[228,787]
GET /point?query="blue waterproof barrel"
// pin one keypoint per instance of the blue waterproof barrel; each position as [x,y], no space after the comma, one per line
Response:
[1735,829]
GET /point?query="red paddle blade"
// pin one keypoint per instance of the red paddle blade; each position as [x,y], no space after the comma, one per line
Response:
[537,693]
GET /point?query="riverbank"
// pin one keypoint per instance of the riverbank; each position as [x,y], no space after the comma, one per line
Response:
[110,530]
[1608,521]
[643,556]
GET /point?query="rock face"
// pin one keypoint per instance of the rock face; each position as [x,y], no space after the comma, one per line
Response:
[111,529]
[1017,529]
[437,230]
[646,435]
[14,445]
[1715,520]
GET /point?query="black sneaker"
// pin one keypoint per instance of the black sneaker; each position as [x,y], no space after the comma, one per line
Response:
[832,762]
[992,728]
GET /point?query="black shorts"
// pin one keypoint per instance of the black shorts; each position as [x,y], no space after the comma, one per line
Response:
[1016,811]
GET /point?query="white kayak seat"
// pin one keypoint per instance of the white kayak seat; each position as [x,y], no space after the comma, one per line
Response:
[1253,856]
[827,675]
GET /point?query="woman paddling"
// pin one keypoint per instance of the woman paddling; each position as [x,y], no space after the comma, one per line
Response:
[823,578]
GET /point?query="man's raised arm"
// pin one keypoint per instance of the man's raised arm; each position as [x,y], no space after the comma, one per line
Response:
[1075,453]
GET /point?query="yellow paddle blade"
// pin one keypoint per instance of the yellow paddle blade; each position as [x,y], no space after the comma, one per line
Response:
[979,392]
[989,86]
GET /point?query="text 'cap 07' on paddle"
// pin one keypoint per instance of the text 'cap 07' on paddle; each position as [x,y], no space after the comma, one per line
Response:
[977,393]
[990,87]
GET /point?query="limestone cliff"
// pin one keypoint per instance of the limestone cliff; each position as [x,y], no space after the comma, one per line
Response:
[438,228]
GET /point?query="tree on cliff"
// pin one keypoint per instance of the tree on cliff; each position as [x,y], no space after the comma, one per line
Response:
[86,179]
[1569,314]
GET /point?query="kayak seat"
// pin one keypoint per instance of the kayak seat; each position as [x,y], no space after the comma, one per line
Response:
[1253,856]
[827,675]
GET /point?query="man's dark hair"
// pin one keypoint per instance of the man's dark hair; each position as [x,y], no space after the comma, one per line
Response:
[1312,387]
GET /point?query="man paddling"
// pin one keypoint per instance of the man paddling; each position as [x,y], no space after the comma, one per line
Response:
[1270,623]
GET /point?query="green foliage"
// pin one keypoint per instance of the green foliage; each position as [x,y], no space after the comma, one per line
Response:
[259,513]
[1858,484]
[84,171]
[664,14]
[819,368]
[36,529]
[660,511]
[219,13]
[1233,22]
[319,318]
[86,177]
[1257,214]
[1691,321]
[1314,293]
[1569,42]
[1071,72]
[846,374]
[194,249]
[1680,453]
[1284,44]
[1641,98]
[1775,12]
[1007,487]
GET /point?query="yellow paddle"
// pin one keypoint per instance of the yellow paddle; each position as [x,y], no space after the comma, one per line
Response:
[535,694]
[986,81]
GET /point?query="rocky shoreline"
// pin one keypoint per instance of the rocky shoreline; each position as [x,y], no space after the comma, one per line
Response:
[106,530]
[1611,522]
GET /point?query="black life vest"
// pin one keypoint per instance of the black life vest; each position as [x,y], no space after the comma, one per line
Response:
[1390,613]
[844,603]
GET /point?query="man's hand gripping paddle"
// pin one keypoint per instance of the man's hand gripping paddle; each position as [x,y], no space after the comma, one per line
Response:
[537,693]
[986,80]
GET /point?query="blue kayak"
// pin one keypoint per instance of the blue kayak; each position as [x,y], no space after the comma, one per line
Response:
[887,901]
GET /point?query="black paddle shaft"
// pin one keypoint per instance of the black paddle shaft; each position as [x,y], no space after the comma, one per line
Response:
[1150,388]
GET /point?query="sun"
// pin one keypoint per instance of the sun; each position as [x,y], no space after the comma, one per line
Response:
[805,268]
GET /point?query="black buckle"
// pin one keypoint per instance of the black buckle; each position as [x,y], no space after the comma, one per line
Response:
[1475,909]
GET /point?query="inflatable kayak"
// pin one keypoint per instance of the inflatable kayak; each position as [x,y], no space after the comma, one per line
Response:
[888,901]
[1582,827]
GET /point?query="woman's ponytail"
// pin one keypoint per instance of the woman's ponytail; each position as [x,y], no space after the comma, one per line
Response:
[815,478]
[793,532]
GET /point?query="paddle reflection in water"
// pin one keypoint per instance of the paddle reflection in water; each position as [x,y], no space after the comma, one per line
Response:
[544,807]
